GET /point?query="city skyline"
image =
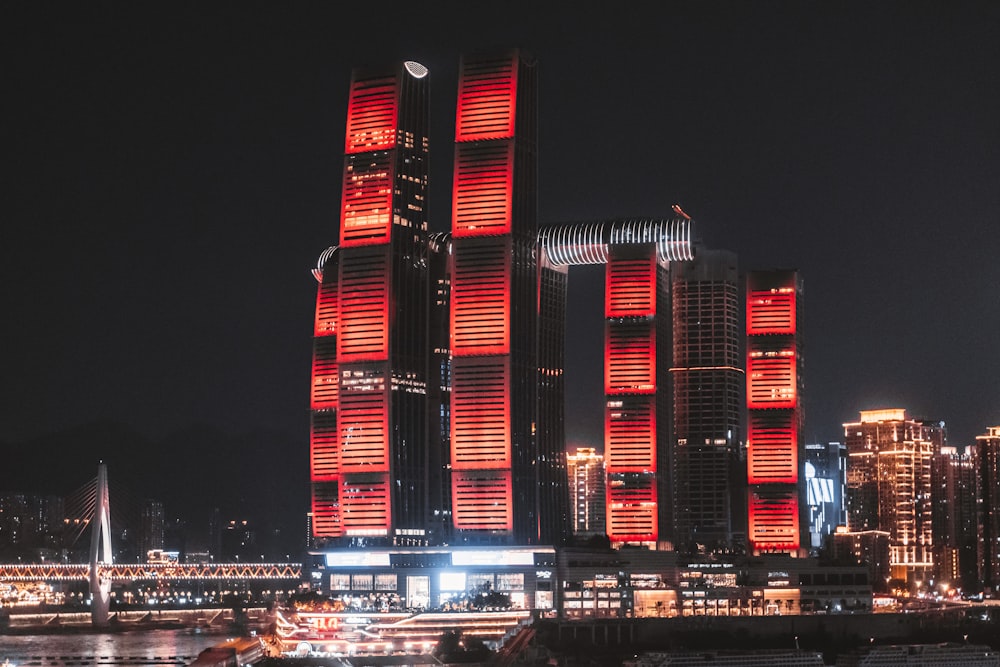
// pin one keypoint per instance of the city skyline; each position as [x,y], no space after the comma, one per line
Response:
[177,179]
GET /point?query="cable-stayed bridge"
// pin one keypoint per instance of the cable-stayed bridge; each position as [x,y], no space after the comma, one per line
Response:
[90,508]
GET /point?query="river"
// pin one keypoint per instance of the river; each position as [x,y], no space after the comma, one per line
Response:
[132,648]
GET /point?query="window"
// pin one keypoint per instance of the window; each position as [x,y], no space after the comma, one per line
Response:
[510,582]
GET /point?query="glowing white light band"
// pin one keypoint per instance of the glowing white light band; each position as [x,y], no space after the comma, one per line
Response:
[588,243]
[321,262]
[415,69]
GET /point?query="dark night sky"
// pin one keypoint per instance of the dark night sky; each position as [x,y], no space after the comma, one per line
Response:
[172,174]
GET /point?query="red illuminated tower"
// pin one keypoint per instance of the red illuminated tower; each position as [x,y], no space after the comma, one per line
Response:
[637,254]
[774,380]
[494,302]
[368,438]
[636,290]
[437,396]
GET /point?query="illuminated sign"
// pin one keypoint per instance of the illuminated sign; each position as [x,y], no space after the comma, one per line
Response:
[357,559]
[324,623]
[493,557]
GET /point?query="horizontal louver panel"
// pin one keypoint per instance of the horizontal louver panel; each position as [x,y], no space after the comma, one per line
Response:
[487,95]
[325,380]
[326,309]
[480,413]
[483,189]
[630,357]
[631,511]
[772,447]
[372,110]
[364,305]
[366,200]
[325,510]
[631,287]
[365,509]
[771,311]
[773,519]
[480,297]
[771,378]
[323,445]
[364,420]
[482,500]
[630,434]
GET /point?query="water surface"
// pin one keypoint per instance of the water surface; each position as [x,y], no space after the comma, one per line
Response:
[130,648]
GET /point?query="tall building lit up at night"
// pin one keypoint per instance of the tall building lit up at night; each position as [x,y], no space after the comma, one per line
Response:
[708,471]
[889,486]
[774,412]
[586,482]
[437,404]
[494,304]
[636,300]
[988,482]
[954,516]
[637,255]
[369,428]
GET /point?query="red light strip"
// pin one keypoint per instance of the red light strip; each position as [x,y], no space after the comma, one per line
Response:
[630,288]
[487,97]
[484,176]
[481,500]
[372,112]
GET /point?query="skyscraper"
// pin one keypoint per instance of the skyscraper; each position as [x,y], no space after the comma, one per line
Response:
[954,518]
[368,443]
[988,482]
[889,485]
[637,255]
[774,384]
[586,475]
[637,417]
[494,303]
[437,396]
[707,376]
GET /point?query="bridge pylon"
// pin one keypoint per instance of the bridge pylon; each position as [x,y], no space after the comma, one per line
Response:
[100,551]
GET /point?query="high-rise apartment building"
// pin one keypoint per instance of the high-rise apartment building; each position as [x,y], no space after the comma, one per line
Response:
[889,486]
[586,483]
[987,462]
[706,372]
[774,411]
[954,518]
